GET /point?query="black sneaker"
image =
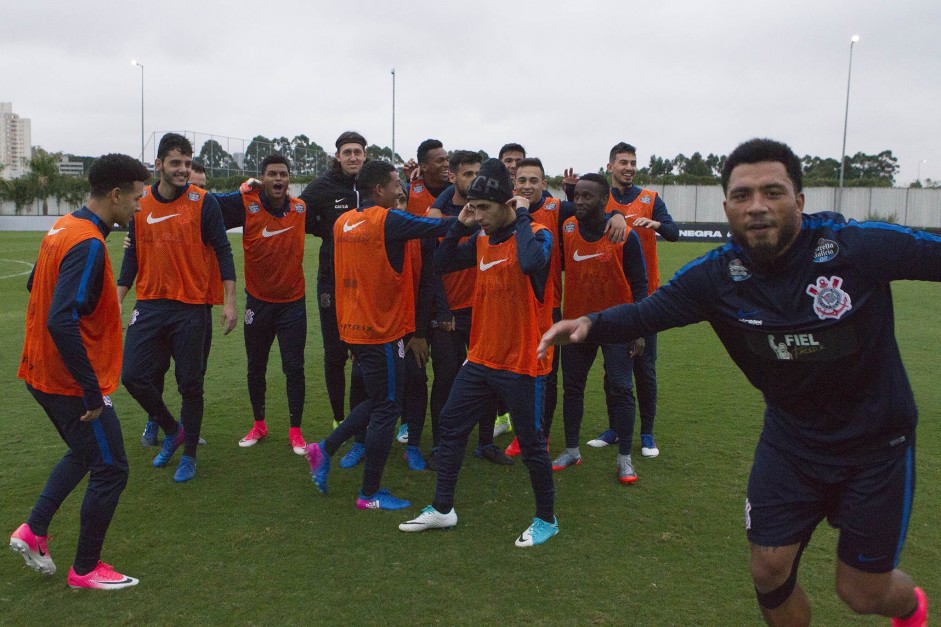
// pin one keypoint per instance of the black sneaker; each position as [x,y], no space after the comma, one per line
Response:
[493,454]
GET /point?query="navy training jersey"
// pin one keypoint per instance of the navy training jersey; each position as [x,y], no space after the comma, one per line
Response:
[813,331]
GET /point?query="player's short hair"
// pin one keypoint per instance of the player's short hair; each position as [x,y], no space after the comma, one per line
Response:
[619,148]
[594,177]
[274,158]
[758,150]
[174,141]
[198,167]
[425,147]
[511,147]
[115,170]
[535,162]
[463,157]
[374,172]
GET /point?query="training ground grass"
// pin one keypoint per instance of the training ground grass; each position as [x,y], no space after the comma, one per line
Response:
[250,541]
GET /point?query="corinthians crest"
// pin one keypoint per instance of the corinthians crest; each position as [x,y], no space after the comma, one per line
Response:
[829,300]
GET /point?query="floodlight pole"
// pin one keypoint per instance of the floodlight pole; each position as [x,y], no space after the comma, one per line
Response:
[846,117]
[141,66]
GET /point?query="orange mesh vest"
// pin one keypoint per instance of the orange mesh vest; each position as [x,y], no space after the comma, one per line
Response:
[594,273]
[41,365]
[274,250]
[642,207]
[419,200]
[459,285]
[548,216]
[375,304]
[507,321]
[172,260]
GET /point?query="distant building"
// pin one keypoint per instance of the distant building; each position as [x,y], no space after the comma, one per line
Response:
[239,158]
[71,168]
[15,142]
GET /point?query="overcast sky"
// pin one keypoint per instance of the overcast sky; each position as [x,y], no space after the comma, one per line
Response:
[565,79]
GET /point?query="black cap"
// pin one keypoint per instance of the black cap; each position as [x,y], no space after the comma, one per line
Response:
[492,183]
[351,137]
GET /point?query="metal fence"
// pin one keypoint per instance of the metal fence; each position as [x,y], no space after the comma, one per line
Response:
[918,208]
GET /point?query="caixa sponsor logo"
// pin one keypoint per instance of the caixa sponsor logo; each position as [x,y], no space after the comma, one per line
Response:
[368,328]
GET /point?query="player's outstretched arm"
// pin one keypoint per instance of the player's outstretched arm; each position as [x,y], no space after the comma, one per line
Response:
[564,332]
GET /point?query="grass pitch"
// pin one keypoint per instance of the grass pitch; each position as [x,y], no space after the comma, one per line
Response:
[250,541]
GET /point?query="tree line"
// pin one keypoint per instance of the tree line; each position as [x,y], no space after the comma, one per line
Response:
[860,170]
[308,160]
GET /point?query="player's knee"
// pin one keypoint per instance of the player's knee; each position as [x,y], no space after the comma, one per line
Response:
[135,384]
[774,597]
[619,389]
[774,574]
[293,370]
[774,579]
[859,599]
[191,389]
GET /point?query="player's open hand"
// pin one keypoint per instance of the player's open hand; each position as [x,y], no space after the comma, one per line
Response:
[419,348]
[564,332]
[229,318]
[646,223]
[569,176]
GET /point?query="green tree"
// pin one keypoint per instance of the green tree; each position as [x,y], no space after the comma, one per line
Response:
[42,182]
[881,167]
[819,170]
[696,166]
[659,167]
[215,158]
[44,171]
[309,157]
[259,148]
[384,153]
[715,164]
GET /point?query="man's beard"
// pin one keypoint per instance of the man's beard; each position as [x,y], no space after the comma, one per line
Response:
[766,251]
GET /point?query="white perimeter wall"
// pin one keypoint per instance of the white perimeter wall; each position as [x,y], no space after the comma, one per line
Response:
[919,208]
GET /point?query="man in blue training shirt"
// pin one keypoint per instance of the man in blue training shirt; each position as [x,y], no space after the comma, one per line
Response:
[796,299]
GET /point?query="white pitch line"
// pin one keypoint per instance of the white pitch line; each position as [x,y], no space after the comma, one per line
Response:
[25,263]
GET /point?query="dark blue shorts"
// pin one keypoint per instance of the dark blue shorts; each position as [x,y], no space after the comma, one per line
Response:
[870,504]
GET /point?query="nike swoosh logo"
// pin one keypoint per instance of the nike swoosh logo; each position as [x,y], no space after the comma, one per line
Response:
[578,257]
[152,220]
[54,231]
[864,558]
[266,233]
[486,266]
[117,583]
[347,227]
[745,314]
[338,200]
